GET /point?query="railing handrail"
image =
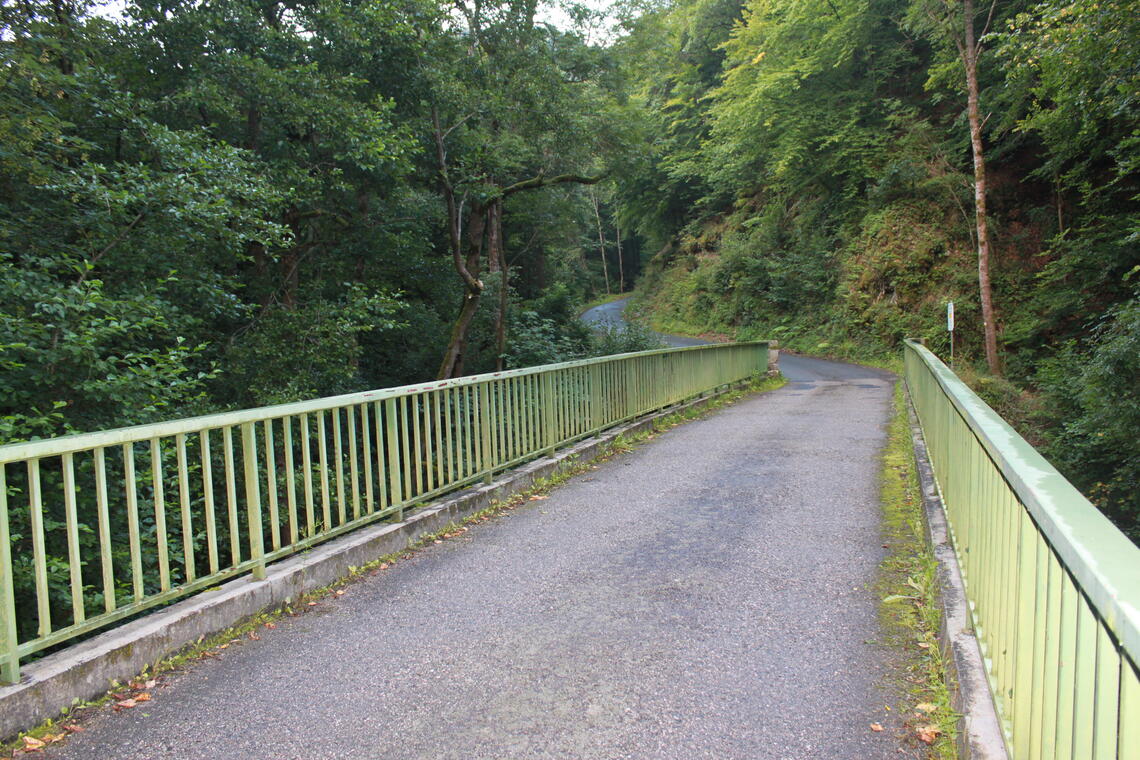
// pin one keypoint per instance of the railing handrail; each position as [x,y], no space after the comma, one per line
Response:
[1103,561]
[76,442]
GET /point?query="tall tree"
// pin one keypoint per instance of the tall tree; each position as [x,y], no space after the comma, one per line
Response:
[946,19]
[514,112]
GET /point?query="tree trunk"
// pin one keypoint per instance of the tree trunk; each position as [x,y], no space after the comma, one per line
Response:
[601,242]
[970,53]
[498,263]
[453,357]
[468,267]
[621,259]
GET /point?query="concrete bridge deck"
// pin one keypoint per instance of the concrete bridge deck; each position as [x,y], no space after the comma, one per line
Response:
[704,596]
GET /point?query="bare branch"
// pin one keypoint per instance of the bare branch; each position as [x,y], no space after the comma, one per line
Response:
[541,181]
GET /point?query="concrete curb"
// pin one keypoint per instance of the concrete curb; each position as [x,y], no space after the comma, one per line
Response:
[86,670]
[980,735]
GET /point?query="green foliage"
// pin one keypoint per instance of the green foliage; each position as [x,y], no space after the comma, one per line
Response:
[631,337]
[72,354]
[1095,394]
[817,188]
[323,348]
[1077,59]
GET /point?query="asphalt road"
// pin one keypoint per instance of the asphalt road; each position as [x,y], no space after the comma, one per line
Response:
[703,596]
[795,367]
[613,315]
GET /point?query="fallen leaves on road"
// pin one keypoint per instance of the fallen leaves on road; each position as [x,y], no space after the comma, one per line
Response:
[32,744]
[926,707]
[928,733]
[876,727]
[539,497]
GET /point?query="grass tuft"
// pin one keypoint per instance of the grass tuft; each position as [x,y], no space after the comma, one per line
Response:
[910,609]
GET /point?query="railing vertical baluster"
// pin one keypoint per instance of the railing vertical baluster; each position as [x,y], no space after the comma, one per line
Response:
[253,499]
[39,554]
[290,479]
[231,495]
[1066,674]
[486,461]
[9,660]
[323,459]
[451,435]
[499,417]
[103,520]
[307,466]
[1024,640]
[416,460]
[271,485]
[338,455]
[1128,740]
[208,500]
[429,436]
[366,438]
[468,425]
[549,419]
[131,493]
[381,473]
[437,423]
[518,425]
[1106,703]
[189,571]
[160,535]
[74,566]
[353,462]
[393,442]
[1084,692]
[405,417]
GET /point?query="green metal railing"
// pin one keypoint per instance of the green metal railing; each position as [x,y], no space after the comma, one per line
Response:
[1053,586]
[100,526]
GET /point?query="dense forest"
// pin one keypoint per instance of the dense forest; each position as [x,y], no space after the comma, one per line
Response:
[832,173]
[208,205]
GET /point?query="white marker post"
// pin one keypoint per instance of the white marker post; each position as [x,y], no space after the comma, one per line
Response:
[950,329]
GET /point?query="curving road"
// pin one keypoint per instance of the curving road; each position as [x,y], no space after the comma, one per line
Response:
[612,314]
[703,596]
[796,368]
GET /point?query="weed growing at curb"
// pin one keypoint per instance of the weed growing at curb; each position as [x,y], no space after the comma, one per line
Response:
[910,609]
[138,690]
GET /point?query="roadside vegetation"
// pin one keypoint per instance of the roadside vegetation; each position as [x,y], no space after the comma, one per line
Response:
[910,607]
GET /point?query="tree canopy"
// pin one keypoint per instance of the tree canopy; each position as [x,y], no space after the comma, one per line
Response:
[212,205]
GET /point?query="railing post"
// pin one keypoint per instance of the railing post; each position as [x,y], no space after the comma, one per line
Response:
[9,660]
[773,358]
[547,411]
[253,499]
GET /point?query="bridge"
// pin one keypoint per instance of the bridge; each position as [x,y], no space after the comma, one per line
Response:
[708,595]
